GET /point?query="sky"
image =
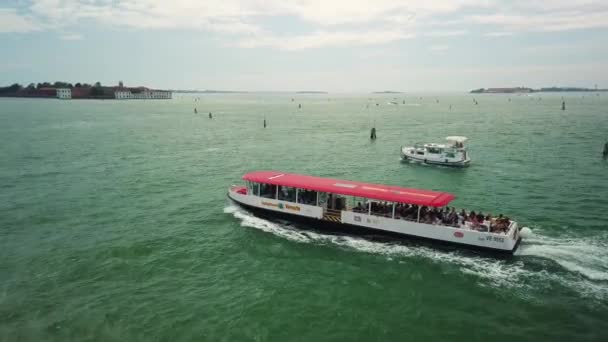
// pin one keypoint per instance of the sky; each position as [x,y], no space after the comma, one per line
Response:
[294,45]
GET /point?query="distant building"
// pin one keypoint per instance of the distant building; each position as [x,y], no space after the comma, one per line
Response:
[44,92]
[141,94]
[64,93]
[123,94]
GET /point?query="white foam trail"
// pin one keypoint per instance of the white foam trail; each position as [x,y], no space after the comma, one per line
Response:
[249,220]
[588,257]
[574,255]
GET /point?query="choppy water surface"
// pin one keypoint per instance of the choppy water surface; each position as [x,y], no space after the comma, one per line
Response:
[114,223]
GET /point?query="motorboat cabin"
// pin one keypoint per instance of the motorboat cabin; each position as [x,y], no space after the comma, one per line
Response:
[356,207]
[452,153]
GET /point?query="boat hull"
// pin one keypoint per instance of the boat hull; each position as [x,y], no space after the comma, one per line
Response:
[373,233]
[460,163]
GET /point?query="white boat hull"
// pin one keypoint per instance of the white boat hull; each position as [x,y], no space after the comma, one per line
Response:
[413,154]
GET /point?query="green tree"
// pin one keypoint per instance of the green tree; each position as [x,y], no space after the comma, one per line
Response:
[31,88]
[78,85]
[15,87]
[43,85]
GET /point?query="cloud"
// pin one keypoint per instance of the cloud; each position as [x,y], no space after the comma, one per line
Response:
[552,18]
[451,33]
[72,36]
[324,39]
[11,21]
[498,34]
[321,23]
[439,47]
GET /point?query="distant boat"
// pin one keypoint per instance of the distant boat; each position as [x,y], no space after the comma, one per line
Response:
[454,153]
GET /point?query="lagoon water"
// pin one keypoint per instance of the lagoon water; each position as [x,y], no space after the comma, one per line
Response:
[114,224]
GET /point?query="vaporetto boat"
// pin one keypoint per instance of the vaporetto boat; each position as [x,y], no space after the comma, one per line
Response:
[356,207]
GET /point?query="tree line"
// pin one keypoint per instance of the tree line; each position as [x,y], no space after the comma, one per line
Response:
[96,88]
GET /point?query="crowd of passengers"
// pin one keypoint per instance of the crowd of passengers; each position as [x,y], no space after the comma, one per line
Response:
[448,216]
[307,197]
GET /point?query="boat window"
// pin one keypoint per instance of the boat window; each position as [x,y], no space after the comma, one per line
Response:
[420,152]
[323,199]
[336,202]
[253,188]
[450,155]
[433,150]
[249,187]
[382,209]
[358,205]
[307,197]
[268,190]
[287,193]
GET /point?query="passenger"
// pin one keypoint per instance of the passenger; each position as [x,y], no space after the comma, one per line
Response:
[460,217]
[473,220]
[437,220]
[451,218]
[507,224]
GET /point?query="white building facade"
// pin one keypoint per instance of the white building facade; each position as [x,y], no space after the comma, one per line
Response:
[64,93]
[143,95]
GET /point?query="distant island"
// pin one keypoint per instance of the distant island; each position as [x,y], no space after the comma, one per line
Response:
[387,92]
[66,91]
[530,90]
[311,92]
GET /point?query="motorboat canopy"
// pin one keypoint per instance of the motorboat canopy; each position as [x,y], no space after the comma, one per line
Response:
[350,188]
[456,139]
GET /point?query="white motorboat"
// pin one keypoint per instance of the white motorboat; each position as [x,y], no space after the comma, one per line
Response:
[453,153]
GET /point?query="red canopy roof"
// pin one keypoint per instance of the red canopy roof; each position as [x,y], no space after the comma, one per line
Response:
[342,187]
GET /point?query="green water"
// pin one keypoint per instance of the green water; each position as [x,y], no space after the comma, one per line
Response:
[114,225]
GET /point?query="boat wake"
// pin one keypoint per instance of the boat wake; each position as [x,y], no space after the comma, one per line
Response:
[586,256]
[574,263]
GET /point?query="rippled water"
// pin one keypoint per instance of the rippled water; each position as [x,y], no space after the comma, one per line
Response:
[114,223]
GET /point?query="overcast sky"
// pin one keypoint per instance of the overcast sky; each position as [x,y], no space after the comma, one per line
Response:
[332,45]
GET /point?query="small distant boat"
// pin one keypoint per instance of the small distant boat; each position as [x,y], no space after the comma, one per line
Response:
[393,103]
[453,153]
